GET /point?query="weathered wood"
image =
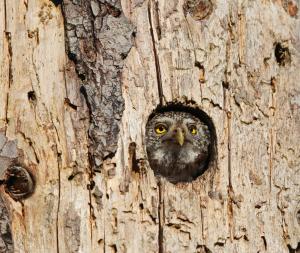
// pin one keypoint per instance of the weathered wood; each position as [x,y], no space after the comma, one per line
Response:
[45,127]
[85,146]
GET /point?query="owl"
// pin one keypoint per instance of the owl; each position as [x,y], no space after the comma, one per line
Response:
[177,145]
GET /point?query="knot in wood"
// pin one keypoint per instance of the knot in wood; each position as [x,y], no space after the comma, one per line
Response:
[19,184]
[198,9]
[291,7]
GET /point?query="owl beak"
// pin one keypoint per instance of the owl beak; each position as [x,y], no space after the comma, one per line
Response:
[179,136]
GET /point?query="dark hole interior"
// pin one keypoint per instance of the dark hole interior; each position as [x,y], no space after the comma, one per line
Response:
[56,2]
[19,182]
[141,206]
[282,54]
[31,95]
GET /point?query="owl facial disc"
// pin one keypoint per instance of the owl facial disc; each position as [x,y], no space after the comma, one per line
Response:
[177,145]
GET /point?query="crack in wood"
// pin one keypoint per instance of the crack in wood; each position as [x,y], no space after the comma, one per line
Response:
[264,242]
[30,143]
[59,196]
[59,166]
[227,111]
[281,208]
[228,114]
[10,76]
[197,63]
[91,209]
[202,220]
[35,73]
[230,190]
[5,15]
[8,39]
[271,132]
[104,234]
[157,20]
[271,145]
[161,216]
[156,58]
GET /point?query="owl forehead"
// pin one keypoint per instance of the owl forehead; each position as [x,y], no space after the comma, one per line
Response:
[175,117]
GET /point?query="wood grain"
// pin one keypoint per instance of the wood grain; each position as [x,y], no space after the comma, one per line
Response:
[224,61]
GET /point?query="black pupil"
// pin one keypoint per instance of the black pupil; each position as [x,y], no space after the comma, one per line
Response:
[161,128]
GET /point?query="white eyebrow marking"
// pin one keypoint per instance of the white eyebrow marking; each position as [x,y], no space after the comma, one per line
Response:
[186,121]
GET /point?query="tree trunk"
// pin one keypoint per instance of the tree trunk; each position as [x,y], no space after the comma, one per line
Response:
[79,80]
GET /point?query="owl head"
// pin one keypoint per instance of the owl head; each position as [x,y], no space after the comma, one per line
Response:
[177,145]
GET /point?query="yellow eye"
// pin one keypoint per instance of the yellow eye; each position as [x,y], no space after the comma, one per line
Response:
[160,129]
[193,130]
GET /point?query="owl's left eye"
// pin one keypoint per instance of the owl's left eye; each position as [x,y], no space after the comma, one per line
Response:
[193,130]
[160,129]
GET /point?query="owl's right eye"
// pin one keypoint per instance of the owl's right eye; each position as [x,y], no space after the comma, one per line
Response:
[161,129]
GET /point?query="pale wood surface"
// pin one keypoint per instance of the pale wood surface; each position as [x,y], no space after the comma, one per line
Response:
[247,203]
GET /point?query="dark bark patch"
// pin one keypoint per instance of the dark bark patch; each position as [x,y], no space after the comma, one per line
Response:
[72,229]
[6,240]
[9,149]
[98,40]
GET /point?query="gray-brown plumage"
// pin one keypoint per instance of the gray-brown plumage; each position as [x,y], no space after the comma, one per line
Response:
[177,145]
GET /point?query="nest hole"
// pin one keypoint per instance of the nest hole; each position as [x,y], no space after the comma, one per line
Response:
[56,2]
[210,152]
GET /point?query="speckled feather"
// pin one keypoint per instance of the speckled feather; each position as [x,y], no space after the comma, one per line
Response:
[169,159]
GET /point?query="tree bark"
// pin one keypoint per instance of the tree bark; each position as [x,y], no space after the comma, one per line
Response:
[79,80]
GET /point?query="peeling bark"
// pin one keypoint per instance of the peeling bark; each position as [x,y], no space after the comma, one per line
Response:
[99,38]
[6,242]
